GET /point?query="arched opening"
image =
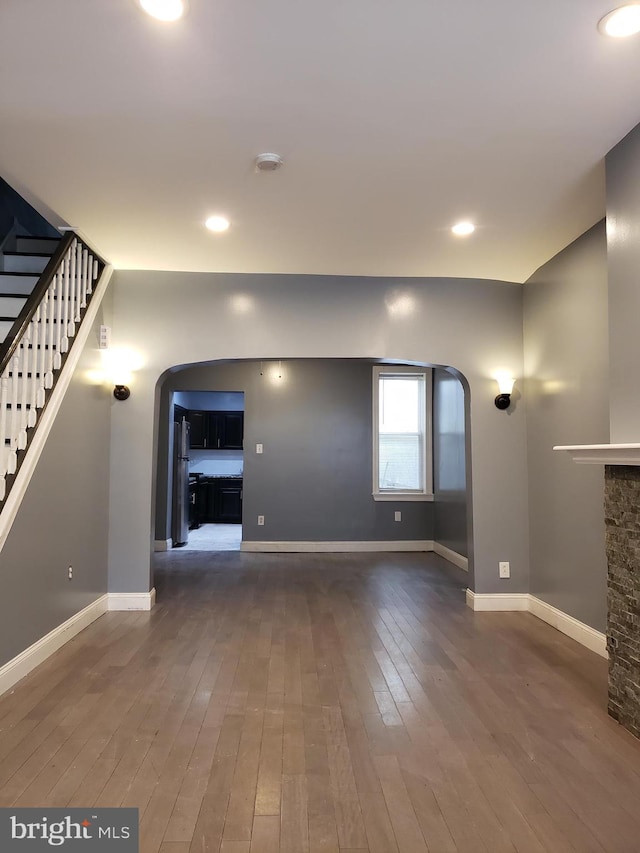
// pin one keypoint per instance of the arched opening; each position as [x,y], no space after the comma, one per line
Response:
[312,484]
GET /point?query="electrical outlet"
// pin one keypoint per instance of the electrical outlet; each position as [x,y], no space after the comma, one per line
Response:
[504,570]
[259,448]
[260,520]
[398,516]
[70,573]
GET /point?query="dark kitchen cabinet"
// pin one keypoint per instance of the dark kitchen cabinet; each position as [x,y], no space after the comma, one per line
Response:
[231,430]
[210,501]
[198,429]
[224,501]
[229,502]
[216,430]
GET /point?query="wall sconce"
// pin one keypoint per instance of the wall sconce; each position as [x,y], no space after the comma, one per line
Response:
[120,375]
[121,392]
[119,365]
[505,387]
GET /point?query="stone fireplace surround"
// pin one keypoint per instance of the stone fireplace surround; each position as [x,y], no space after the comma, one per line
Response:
[622,525]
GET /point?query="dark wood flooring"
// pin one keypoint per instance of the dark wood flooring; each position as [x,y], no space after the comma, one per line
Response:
[325,703]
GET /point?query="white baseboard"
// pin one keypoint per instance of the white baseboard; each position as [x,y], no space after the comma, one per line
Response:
[27,660]
[338,547]
[30,658]
[583,634]
[498,601]
[161,544]
[578,631]
[132,600]
[452,556]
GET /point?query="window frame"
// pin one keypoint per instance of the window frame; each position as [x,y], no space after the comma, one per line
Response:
[425,494]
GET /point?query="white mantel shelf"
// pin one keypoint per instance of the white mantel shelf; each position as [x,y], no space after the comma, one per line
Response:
[603,454]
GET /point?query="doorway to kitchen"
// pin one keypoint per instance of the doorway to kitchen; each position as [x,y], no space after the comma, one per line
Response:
[208,470]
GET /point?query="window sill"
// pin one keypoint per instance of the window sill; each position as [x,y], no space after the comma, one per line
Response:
[401,496]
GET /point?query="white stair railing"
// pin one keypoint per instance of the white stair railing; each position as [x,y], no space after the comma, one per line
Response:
[35,350]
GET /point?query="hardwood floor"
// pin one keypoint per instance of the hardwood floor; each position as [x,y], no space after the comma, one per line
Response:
[325,704]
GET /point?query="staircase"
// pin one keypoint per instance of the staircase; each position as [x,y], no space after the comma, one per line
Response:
[19,274]
[46,287]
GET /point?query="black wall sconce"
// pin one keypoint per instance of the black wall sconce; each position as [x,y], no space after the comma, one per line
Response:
[505,388]
[121,392]
[119,367]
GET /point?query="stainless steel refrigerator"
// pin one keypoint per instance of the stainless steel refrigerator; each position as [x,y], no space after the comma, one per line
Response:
[180,517]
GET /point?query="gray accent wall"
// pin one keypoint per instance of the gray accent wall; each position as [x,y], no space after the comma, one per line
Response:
[567,402]
[449,471]
[176,318]
[313,482]
[64,517]
[623,245]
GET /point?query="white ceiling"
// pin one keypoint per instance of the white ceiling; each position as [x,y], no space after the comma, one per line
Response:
[394,119]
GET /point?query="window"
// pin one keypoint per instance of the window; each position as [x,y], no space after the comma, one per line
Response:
[402,433]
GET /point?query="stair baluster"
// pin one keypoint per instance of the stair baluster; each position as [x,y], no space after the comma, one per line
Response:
[71,319]
[36,347]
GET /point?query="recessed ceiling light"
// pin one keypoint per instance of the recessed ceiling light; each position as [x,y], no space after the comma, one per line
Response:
[217,224]
[164,10]
[622,22]
[463,229]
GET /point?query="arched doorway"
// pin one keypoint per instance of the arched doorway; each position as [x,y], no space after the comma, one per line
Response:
[311,484]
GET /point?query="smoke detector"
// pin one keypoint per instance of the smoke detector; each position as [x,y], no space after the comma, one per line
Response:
[268,162]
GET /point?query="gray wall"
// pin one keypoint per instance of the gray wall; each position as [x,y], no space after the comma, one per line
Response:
[314,480]
[175,318]
[623,244]
[567,402]
[64,517]
[449,472]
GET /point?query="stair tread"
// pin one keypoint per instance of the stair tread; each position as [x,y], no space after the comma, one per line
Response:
[28,254]
[21,272]
[42,322]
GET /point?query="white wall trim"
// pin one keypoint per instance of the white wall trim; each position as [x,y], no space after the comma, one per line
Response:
[452,556]
[583,634]
[426,417]
[161,544]
[338,547]
[30,658]
[497,601]
[48,416]
[33,656]
[603,454]
[132,600]
[594,640]
[403,497]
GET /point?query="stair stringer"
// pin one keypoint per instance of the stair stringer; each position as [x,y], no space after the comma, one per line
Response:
[45,422]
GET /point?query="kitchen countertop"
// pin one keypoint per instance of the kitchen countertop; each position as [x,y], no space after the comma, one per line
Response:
[202,478]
